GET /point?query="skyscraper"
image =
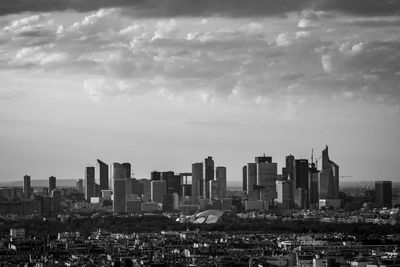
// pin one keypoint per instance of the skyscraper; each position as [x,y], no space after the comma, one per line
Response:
[313,193]
[27,187]
[289,167]
[158,191]
[383,193]
[214,187]
[283,190]
[127,169]
[220,173]
[79,185]
[121,172]
[103,174]
[208,174]
[251,177]
[266,180]
[197,179]
[244,178]
[155,175]
[52,183]
[301,173]
[90,186]
[328,178]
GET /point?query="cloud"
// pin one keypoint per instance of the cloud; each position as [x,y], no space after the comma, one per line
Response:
[232,8]
[283,39]
[262,61]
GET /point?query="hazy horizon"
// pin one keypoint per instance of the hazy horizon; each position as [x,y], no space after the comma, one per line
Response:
[165,84]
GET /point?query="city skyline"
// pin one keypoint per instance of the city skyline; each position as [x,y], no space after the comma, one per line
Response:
[164,84]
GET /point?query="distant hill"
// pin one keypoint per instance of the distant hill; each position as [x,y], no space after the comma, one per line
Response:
[40,183]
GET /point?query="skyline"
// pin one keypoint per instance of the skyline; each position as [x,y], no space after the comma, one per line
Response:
[163,85]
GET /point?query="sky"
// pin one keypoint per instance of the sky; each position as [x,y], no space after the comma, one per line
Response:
[163,84]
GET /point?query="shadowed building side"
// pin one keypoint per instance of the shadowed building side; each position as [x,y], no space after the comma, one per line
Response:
[103,175]
[197,179]
[90,186]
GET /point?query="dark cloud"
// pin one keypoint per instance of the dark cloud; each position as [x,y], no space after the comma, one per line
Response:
[230,8]
[361,7]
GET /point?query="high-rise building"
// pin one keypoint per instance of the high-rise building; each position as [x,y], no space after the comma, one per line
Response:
[79,185]
[173,182]
[300,183]
[103,174]
[146,185]
[90,185]
[313,194]
[220,174]
[289,167]
[283,189]
[158,191]
[328,178]
[121,173]
[186,184]
[171,202]
[263,159]
[127,169]
[244,177]
[301,173]
[52,183]
[197,179]
[208,174]
[251,177]
[27,187]
[266,180]
[155,175]
[383,193]
[214,188]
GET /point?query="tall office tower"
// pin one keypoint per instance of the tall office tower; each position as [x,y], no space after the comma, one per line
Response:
[197,179]
[171,202]
[220,174]
[186,184]
[90,186]
[301,173]
[103,174]
[174,184]
[165,175]
[121,173]
[266,180]
[52,183]
[155,175]
[79,185]
[283,189]
[284,173]
[313,194]
[244,181]
[27,187]
[146,185]
[214,187]
[251,178]
[263,159]
[158,191]
[289,167]
[136,187]
[328,178]
[300,184]
[127,169]
[383,193]
[208,174]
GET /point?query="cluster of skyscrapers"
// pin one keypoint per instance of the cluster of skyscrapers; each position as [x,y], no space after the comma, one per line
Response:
[301,185]
[163,191]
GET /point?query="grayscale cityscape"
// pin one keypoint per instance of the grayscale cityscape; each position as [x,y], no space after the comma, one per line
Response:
[200,133]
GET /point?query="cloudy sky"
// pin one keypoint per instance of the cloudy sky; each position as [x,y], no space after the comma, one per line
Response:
[162,84]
